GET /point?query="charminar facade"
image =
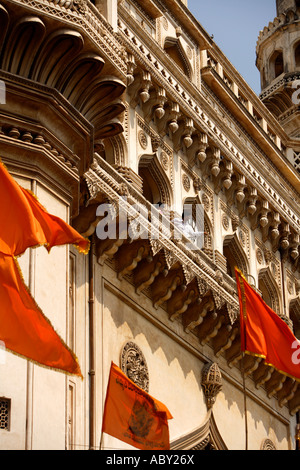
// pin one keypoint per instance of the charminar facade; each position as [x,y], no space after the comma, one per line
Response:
[132,100]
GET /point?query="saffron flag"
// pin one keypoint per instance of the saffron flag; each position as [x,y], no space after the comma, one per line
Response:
[24,329]
[133,416]
[264,334]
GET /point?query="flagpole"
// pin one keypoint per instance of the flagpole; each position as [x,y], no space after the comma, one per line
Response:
[245,401]
[101,441]
[243,349]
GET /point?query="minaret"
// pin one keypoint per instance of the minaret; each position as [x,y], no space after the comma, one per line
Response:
[278,60]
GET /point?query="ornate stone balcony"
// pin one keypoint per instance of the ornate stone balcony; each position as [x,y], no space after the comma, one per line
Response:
[64,69]
[79,14]
[200,301]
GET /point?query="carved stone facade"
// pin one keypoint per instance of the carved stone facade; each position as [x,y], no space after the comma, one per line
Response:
[130,103]
[134,365]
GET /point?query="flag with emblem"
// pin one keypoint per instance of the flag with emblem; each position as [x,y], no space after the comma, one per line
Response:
[133,416]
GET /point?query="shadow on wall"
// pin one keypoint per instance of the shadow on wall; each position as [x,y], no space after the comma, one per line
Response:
[127,320]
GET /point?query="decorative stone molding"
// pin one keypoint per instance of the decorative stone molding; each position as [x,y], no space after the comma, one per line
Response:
[259,256]
[186,182]
[72,12]
[33,137]
[164,160]
[185,285]
[108,181]
[225,222]
[133,364]
[237,175]
[142,137]
[206,437]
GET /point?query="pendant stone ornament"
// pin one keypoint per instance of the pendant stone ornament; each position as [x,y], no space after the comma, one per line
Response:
[211,382]
[133,364]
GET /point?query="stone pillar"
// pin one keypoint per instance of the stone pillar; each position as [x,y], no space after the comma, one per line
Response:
[109,9]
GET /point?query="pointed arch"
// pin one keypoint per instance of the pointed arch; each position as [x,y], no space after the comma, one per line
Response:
[116,150]
[269,290]
[175,49]
[156,185]
[235,255]
[206,437]
[276,64]
[297,55]
[204,225]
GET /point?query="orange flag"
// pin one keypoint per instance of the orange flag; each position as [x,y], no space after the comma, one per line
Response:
[264,334]
[133,416]
[25,223]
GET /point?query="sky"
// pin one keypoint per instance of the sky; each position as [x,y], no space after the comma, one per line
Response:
[235,25]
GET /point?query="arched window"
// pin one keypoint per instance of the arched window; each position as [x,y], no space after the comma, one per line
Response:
[276,64]
[269,290]
[265,293]
[156,185]
[198,221]
[235,255]
[175,50]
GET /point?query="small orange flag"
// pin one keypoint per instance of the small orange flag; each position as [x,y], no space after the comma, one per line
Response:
[25,223]
[264,334]
[133,416]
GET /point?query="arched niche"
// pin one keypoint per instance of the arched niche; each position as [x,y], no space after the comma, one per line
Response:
[276,65]
[156,185]
[176,51]
[113,150]
[202,225]
[269,290]
[235,255]
[297,55]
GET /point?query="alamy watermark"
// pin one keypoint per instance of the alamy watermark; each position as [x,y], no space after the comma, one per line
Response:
[139,222]
[296,354]
[296,94]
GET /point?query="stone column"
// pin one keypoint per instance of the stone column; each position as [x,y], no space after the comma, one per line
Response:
[109,9]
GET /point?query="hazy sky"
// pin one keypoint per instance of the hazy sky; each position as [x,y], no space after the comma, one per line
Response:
[235,25]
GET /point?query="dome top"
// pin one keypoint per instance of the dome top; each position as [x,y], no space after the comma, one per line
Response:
[285,5]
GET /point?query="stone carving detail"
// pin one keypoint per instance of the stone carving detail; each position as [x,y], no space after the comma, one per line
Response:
[267,444]
[259,256]
[164,160]
[189,52]
[206,202]
[225,222]
[142,139]
[186,182]
[211,382]
[80,5]
[290,286]
[235,221]
[165,23]
[134,365]
[242,238]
